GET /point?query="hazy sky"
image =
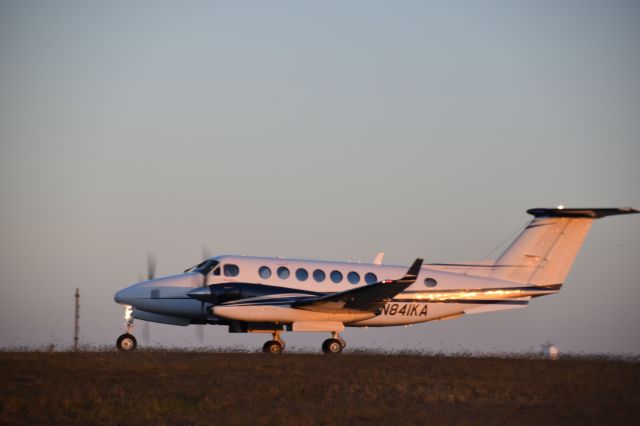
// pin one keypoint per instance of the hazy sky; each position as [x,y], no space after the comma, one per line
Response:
[328,130]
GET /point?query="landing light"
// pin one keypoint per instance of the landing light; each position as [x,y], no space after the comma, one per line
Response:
[128,311]
[560,207]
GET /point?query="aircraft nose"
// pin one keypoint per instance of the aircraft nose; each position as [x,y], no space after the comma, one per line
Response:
[123,296]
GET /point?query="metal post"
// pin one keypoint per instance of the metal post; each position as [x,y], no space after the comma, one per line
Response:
[77,322]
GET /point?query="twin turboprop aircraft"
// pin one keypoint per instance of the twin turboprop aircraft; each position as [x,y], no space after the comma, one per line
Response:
[273,295]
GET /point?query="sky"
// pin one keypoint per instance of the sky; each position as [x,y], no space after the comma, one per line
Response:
[322,130]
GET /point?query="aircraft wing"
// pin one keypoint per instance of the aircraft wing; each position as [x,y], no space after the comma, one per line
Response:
[368,298]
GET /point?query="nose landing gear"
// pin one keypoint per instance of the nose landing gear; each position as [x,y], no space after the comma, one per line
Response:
[127,342]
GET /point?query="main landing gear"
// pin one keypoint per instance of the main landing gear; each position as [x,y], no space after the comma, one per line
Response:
[334,345]
[275,346]
[126,342]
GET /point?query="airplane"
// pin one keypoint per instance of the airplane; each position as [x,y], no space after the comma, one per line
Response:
[273,295]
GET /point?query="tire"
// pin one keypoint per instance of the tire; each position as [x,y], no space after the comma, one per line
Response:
[272,347]
[332,347]
[126,343]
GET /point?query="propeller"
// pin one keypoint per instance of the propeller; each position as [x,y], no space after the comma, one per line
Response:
[145,332]
[206,253]
[151,274]
[151,265]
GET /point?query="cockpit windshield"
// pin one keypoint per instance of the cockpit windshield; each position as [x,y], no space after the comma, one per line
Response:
[204,267]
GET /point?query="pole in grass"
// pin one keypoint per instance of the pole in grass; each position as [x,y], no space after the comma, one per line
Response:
[77,322]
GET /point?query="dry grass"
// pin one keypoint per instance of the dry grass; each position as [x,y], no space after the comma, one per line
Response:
[173,387]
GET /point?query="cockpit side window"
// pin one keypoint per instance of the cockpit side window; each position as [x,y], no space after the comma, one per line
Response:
[205,267]
[214,266]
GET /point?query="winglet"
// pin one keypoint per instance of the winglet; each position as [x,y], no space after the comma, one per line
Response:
[412,273]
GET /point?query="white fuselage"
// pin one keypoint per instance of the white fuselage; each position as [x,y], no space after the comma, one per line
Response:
[436,294]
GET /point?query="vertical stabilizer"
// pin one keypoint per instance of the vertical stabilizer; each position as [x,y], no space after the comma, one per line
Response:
[546,249]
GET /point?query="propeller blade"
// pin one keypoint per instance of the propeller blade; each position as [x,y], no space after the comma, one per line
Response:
[145,332]
[200,333]
[151,266]
[206,252]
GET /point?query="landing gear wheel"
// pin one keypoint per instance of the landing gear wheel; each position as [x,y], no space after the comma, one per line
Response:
[343,343]
[126,343]
[332,346]
[273,347]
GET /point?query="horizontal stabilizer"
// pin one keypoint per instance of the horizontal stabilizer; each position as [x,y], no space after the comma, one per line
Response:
[368,298]
[580,213]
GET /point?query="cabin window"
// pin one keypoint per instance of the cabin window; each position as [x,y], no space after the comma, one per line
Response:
[283,272]
[430,282]
[264,272]
[319,275]
[336,276]
[353,277]
[302,274]
[370,278]
[231,270]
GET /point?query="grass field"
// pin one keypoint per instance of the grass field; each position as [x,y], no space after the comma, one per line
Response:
[173,387]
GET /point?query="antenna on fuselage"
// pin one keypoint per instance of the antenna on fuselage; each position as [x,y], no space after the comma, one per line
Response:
[378,259]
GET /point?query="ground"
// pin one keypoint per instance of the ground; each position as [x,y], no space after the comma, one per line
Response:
[176,387]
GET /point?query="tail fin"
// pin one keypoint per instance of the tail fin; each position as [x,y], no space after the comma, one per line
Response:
[544,252]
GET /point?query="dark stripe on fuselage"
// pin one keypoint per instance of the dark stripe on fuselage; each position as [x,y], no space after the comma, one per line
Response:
[552,287]
[234,294]
[421,301]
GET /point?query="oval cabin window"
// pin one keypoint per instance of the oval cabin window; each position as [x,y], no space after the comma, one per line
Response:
[231,270]
[264,272]
[283,272]
[336,276]
[430,282]
[353,277]
[302,274]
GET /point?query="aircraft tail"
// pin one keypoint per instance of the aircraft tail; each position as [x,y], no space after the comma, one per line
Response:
[545,250]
